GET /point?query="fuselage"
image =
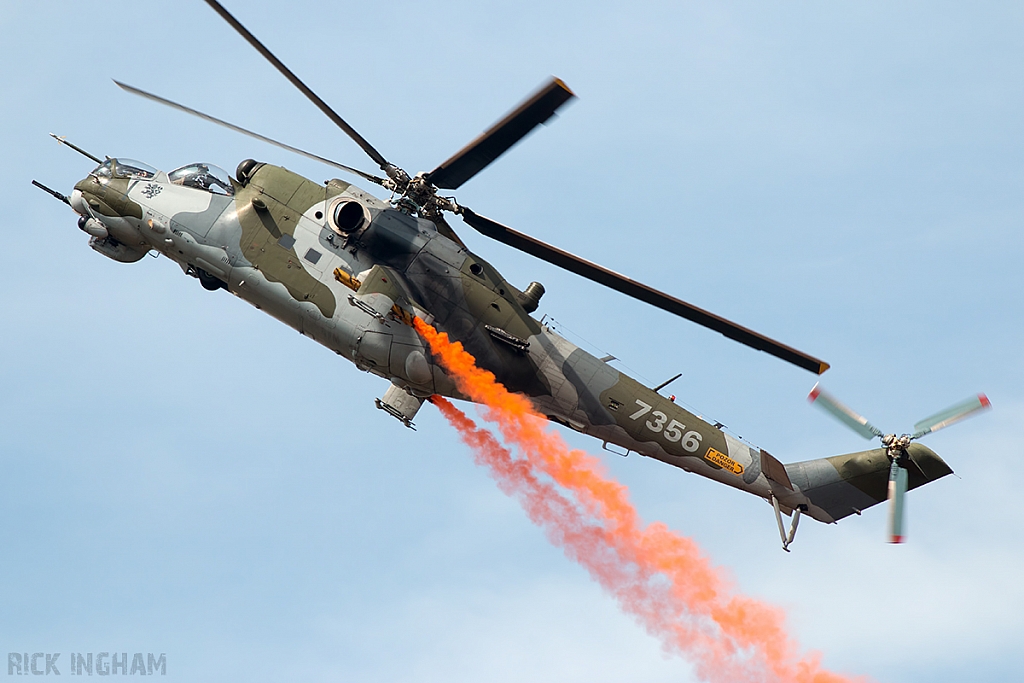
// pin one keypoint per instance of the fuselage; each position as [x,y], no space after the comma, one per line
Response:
[349,271]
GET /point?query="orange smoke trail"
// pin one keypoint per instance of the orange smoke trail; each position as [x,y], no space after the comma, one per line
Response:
[656,575]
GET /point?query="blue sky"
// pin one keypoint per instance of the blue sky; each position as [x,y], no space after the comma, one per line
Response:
[183,474]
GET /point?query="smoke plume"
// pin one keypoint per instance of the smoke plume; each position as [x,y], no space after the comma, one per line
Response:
[655,574]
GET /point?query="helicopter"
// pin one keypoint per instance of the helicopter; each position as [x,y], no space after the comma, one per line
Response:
[352,271]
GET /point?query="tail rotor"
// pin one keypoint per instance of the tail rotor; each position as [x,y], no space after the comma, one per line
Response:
[896,446]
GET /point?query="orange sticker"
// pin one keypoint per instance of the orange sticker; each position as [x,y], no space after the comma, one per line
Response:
[723,461]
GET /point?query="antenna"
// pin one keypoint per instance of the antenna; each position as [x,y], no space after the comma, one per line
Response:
[60,139]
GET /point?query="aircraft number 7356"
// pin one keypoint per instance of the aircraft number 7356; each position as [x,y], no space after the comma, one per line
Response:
[673,432]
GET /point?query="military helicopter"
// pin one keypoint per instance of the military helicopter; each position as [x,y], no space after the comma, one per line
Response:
[351,271]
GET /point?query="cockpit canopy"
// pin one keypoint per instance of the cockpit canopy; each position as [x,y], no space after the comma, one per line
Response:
[124,168]
[203,177]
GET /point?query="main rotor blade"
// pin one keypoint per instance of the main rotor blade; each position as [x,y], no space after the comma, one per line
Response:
[898,478]
[637,290]
[497,139]
[238,129]
[951,415]
[844,414]
[377,157]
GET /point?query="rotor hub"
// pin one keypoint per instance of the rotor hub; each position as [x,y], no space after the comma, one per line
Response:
[896,446]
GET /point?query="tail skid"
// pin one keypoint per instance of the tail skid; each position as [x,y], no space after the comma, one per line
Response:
[787,539]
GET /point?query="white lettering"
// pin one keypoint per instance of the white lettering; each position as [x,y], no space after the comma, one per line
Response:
[644,409]
[691,441]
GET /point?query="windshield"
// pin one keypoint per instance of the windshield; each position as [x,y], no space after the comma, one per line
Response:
[124,168]
[104,170]
[203,177]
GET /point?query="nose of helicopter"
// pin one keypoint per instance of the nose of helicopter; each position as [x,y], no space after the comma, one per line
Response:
[104,192]
[101,198]
[89,198]
[79,201]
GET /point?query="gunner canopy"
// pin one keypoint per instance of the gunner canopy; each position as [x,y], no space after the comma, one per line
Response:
[124,168]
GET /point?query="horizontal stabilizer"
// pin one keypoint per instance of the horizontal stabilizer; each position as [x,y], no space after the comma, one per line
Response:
[843,485]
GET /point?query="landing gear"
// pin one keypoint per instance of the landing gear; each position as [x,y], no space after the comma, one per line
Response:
[787,539]
[209,282]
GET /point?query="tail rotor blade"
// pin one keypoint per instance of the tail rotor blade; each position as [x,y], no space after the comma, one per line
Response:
[897,495]
[952,414]
[844,414]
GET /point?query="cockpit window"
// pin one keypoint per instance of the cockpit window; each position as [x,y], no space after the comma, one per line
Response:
[104,170]
[124,168]
[203,177]
[129,168]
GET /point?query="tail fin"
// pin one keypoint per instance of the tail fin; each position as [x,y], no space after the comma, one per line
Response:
[842,485]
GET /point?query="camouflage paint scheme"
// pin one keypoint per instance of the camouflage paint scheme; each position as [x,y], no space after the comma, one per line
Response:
[275,244]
